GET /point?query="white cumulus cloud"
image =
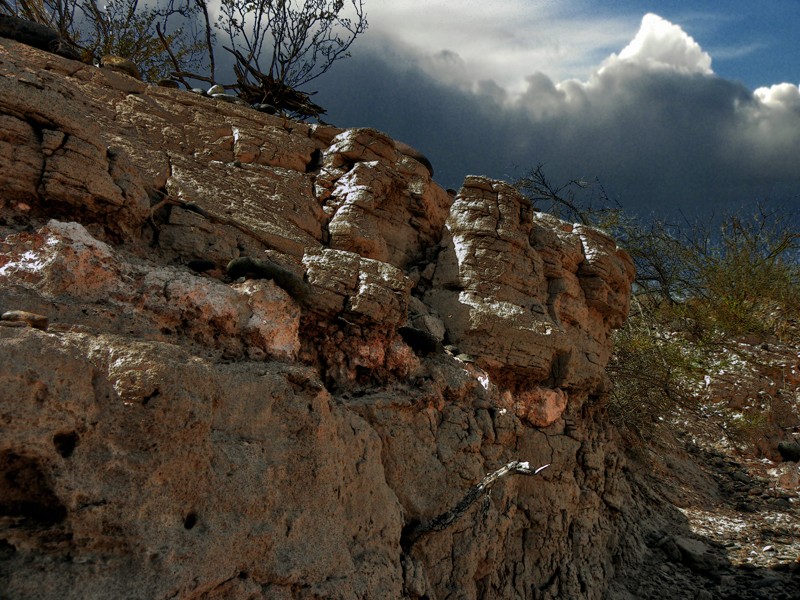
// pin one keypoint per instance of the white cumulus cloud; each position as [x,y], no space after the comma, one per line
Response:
[661,44]
[782,95]
[503,40]
[650,118]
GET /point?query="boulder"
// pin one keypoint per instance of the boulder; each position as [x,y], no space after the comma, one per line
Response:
[532,298]
[121,65]
[789,451]
[36,35]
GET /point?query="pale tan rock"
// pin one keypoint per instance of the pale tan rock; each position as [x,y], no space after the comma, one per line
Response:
[376,207]
[605,275]
[432,325]
[364,289]
[71,168]
[282,214]
[122,65]
[532,299]
[418,156]
[189,236]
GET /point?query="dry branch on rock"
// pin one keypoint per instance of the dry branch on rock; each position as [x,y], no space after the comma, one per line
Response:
[447,518]
[268,90]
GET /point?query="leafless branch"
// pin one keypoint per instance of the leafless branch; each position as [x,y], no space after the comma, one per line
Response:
[447,518]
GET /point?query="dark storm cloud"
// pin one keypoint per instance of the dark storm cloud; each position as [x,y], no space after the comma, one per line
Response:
[653,123]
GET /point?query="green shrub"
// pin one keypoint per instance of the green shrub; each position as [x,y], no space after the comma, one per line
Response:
[653,370]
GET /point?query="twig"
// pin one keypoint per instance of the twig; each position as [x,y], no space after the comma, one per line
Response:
[172,57]
[209,44]
[444,520]
[181,74]
[271,90]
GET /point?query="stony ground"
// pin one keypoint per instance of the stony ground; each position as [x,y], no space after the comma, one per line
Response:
[734,531]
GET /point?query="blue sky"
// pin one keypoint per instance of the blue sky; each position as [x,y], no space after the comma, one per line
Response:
[665,110]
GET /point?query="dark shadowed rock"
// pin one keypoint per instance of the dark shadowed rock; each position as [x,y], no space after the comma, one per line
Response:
[36,35]
[201,265]
[254,268]
[789,451]
[696,555]
[422,342]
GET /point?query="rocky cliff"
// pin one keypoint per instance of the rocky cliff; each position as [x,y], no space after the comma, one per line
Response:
[182,428]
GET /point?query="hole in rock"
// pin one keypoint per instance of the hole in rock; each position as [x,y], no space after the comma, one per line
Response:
[7,551]
[65,443]
[408,535]
[190,521]
[155,394]
[25,492]
[315,162]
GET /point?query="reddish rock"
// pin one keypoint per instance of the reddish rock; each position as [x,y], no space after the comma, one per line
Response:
[28,318]
[540,407]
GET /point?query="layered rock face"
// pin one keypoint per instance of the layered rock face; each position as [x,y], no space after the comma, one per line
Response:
[176,433]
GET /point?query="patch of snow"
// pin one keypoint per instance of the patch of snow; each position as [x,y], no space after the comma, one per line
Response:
[78,235]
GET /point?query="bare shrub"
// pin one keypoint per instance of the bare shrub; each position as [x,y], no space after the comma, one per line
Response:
[277,45]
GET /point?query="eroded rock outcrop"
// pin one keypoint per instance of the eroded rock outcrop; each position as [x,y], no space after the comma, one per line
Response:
[532,298]
[175,433]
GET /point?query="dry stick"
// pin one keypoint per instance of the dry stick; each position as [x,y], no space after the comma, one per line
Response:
[209,45]
[283,96]
[177,75]
[194,76]
[449,517]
